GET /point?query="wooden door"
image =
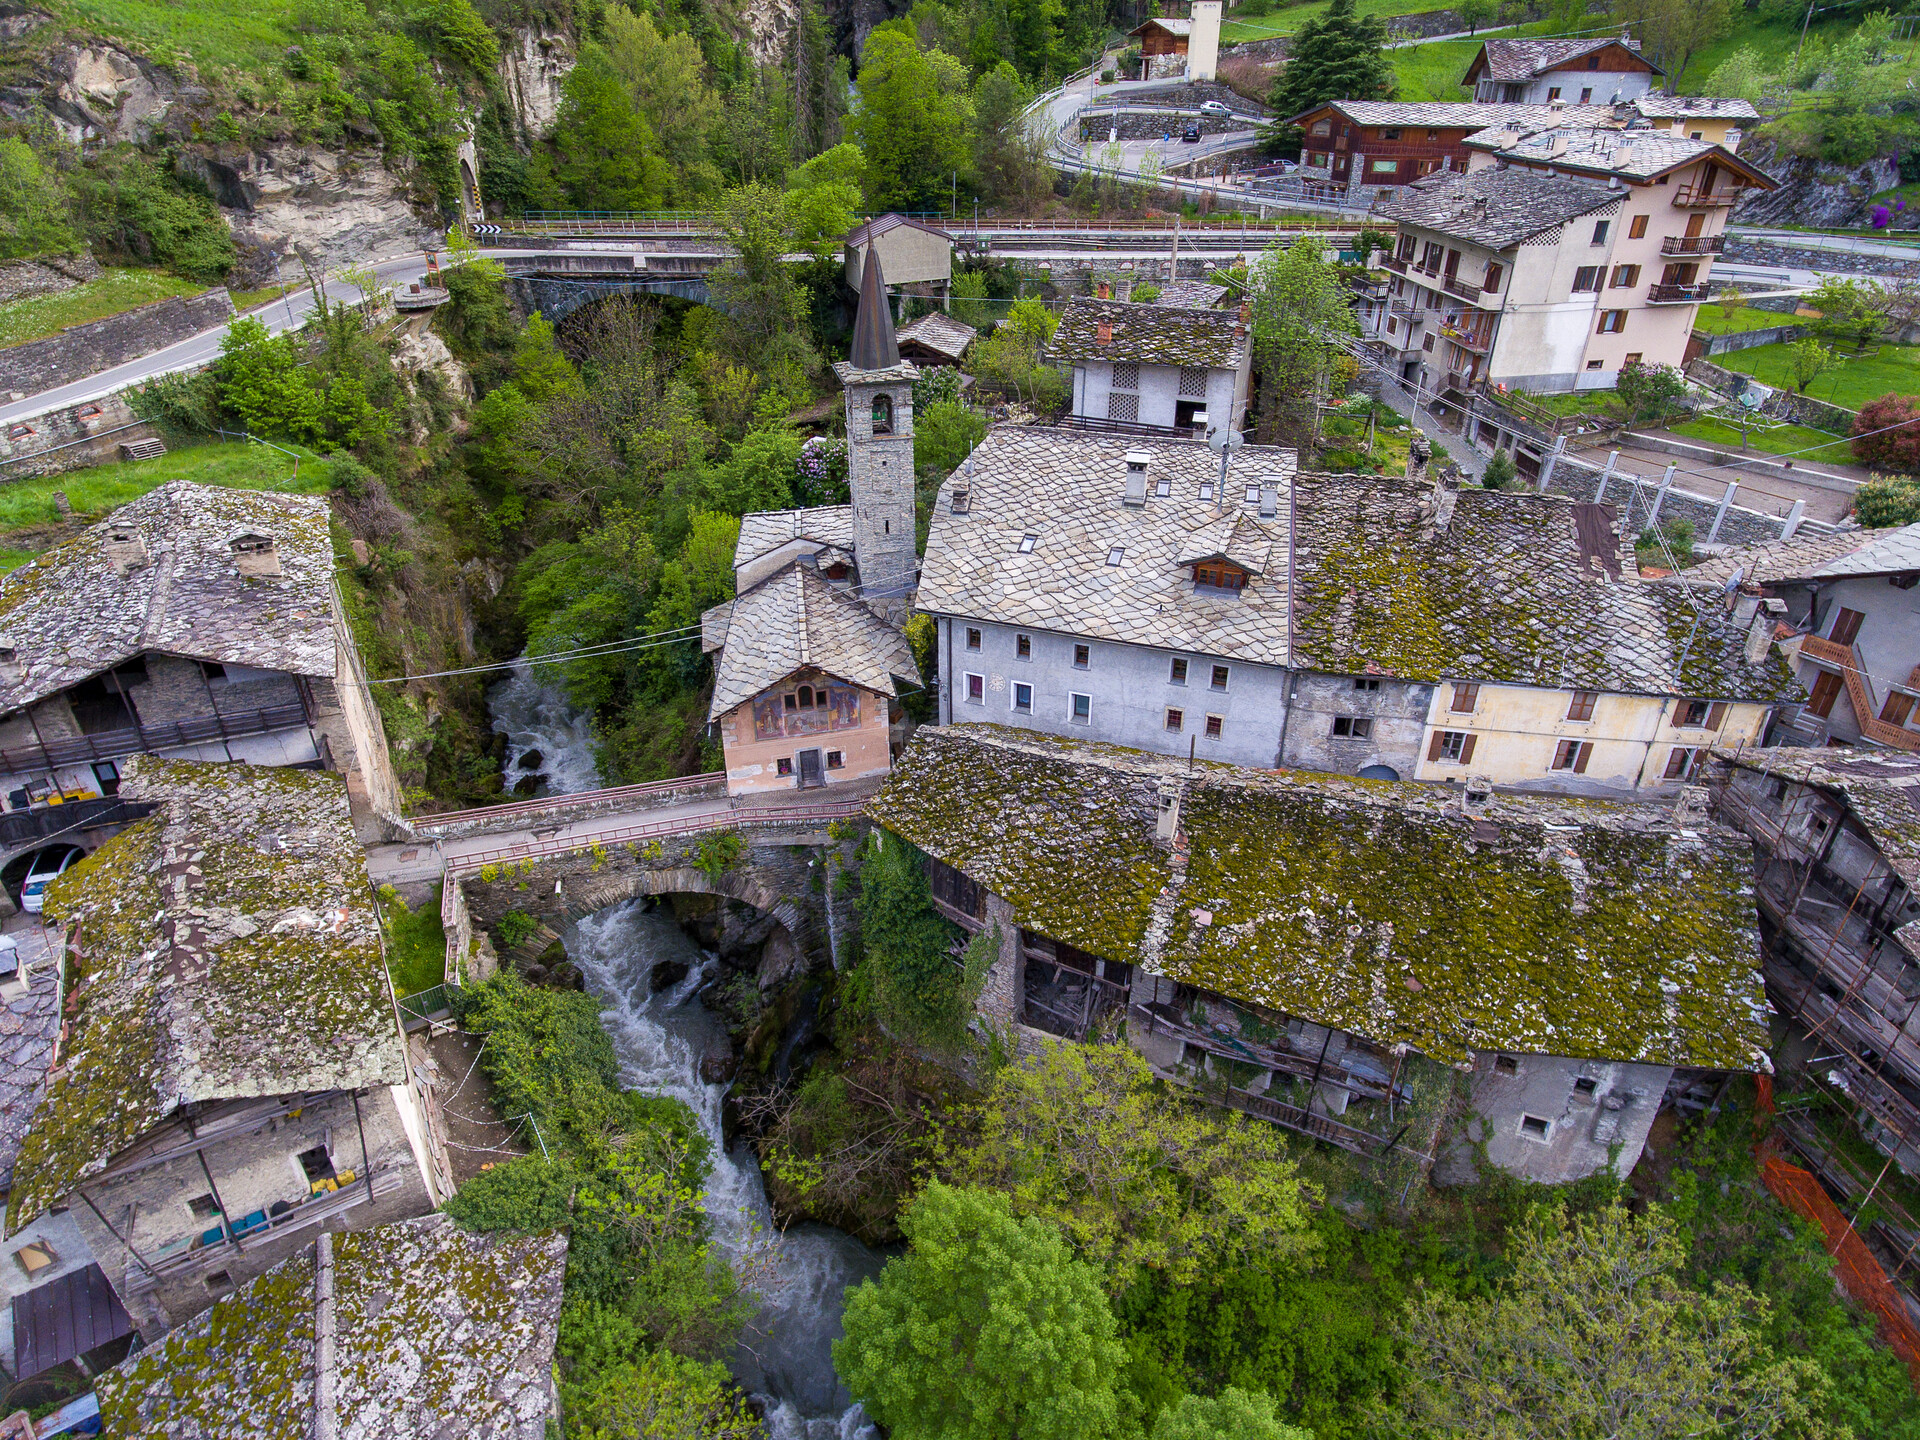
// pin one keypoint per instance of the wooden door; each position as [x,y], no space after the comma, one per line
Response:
[1826,689]
[1695,224]
[810,771]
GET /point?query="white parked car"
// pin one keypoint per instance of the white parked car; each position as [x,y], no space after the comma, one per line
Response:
[1217,109]
[47,865]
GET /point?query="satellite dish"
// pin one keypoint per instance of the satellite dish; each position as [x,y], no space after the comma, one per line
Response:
[1220,438]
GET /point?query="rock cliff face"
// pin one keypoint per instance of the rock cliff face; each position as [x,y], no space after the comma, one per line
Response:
[533,66]
[1811,192]
[92,90]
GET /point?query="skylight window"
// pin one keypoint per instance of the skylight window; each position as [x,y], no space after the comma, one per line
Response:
[1163,487]
[1116,554]
[1206,490]
[1027,542]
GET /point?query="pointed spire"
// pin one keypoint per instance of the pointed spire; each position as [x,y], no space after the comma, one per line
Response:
[874,347]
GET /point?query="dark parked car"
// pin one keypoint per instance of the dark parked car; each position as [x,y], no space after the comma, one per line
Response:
[1191,134]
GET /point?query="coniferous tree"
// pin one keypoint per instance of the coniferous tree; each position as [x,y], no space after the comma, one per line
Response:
[1335,57]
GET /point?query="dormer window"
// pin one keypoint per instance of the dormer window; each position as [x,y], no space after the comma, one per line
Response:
[883,414]
[1220,575]
[961,502]
[837,570]
[255,553]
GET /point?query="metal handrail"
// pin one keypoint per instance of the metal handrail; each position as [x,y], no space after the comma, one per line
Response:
[1693,244]
[1679,294]
[694,824]
[134,740]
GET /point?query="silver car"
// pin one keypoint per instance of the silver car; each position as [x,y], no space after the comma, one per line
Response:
[1216,109]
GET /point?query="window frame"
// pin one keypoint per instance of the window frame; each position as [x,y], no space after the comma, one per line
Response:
[1612,322]
[1177,672]
[1464,690]
[1590,285]
[1601,230]
[836,760]
[1367,683]
[976,687]
[1082,655]
[1013,698]
[1174,721]
[1220,678]
[1078,702]
[1637,227]
[1022,645]
[1215,728]
[1027,542]
[1357,727]
[1580,706]
[974,638]
[1573,755]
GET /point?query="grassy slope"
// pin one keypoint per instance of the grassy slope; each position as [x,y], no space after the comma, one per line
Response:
[1851,383]
[39,316]
[212,34]
[1710,320]
[93,493]
[1252,25]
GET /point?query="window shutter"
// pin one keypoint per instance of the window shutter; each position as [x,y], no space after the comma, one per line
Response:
[1466,750]
[1679,720]
[1580,757]
[1716,714]
[1439,739]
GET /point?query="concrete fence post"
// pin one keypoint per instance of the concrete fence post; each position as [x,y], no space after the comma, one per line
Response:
[1552,460]
[1720,513]
[1794,517]
[1660,495]
[1600,492]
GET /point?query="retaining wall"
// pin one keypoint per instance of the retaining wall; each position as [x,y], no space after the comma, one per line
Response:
[1754,339]
[102,344]
[46,275]
[70,437]
[1579,478]
[1785,404]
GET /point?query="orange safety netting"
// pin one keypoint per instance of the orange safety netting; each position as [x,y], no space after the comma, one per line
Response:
[1857,1273]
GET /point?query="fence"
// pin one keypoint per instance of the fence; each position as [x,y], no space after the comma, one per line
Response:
[655,830]
[1646,503]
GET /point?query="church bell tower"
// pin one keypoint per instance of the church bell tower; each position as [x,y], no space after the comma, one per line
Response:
[879,397]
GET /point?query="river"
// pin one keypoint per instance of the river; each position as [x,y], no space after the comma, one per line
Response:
[785,1356]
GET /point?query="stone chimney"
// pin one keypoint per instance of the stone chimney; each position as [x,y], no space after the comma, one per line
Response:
[126,549]
[1269,498]
[1760,630]
[1419,456]
[1693,809]
[1103,291]
[1103,333]
[1173,789]
[1745,607]
[1137,462]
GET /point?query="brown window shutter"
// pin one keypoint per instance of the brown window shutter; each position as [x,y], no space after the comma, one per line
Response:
[1580,757]
[1466,750]
[1716,714]
[1679,720]
[1439,739]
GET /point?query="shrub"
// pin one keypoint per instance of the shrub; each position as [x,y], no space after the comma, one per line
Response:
[1499,472]
[1679,538]
[1884,439]
[531,1194]
[1887,500]
[1648,392]
[516,928]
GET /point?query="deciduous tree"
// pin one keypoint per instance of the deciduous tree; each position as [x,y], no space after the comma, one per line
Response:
[1594,1334]
[913,121]
[1886,435]
[1233,1414]
[1674,31]
[605,153]
[987,1329]
[1299,308]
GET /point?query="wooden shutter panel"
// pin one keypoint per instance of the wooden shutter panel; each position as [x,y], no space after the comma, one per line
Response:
[1716,714]
[1679,720]
[1466,750]
[1439,739]
[1580,755]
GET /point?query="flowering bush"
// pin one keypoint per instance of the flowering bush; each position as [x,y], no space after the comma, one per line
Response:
[820,474]
[1880,217]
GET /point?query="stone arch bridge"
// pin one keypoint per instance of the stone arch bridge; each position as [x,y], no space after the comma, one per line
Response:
[783,861]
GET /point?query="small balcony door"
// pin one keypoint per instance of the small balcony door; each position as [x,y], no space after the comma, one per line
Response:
[811,773]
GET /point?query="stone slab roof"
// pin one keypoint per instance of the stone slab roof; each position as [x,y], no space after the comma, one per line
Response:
[1518,588]
[72,612]
[794,620]
[1774,560]
[1066,488]
[1456,114]
[1495,208]
[1889,552]
[1532,924]
[229,948]
[880,225]
[1150,334]
[1172,27]
[1524,59]
[1190,295]
[1881,788]
[1608,150]
[765,531]
[438,1332]
[1657,105]
[28,1023]
[940,333]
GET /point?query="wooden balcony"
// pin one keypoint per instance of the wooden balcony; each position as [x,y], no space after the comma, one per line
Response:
[1394,263]
[1465,289]
[1477,338]
[1693,244]
[1459,380]
[1846,660]
[1679,294]
[1693,197]
[149,739]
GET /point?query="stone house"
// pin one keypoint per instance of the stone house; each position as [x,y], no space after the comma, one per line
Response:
[195,622]
[811,643]
[1103,586]
[1353,960]
[1852,601]
[1151,369]
[410,1330]
[1443,634]
[1566,252]
[1569,72]
[234,1074]
[1187,46]
[917,256]
[1836,835]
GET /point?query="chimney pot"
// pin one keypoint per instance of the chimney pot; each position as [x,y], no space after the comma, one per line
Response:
[1104,291]
[1246,311]
[1103,333]
[1137,462]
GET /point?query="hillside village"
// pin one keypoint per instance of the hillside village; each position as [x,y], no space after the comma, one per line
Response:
[959,722]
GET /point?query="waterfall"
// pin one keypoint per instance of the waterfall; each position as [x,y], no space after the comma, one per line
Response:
[785,1357]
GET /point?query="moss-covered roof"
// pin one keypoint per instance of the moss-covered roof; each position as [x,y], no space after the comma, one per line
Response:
[1533,923]
[1150,334]
[229,948]
[161,574]
[438,1332]
[1485,585]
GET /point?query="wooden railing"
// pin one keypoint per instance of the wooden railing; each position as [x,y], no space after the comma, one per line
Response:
[147,739]
[1846,659]
[1695,197]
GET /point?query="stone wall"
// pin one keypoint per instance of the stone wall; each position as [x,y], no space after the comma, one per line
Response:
[561,808]
[1150,124]
[1784,404]
[1579,478]
[100,345]
[70,437]
[45,275]
[1795,257]
[1754,339]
